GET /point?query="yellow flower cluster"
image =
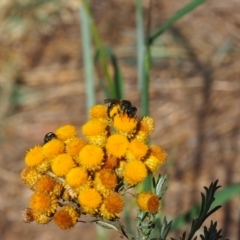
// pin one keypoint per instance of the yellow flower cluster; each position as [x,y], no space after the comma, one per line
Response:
[71,176]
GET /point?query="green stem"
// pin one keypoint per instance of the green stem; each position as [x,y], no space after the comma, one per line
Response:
[87,57]
[99,45]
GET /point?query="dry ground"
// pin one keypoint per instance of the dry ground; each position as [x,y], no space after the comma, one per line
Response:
[194,99]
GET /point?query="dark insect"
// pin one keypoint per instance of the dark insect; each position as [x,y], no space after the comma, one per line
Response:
[125,107]
[49,136]
[112,102]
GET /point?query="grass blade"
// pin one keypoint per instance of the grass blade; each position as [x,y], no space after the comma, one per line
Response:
[117,86]
[117,78]
[99,45]
[179,14]
[143,60]
[140,43]
[143,66]
[87,56]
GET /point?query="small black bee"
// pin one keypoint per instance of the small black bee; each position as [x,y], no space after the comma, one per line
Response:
[49,136]
[125,106]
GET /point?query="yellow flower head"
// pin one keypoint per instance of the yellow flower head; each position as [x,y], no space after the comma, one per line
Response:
[34,156]
[148,202]
[66,217]
[44,166]
[136,150]
[76,177]
[29,176]
[146,125]
[41,218]
[74,146]
[117,145]
[124,124]
[159,153]
[91,157]
[90,200]
[43,203]
[105,181]
[94,127]
[144,128]
[47,184]
[112,205]
[152,164]
[29,215]
[62,164]
[98,111]
[66,132]
[52,148]
[134,172]
[110,162]
[157,156]
[87,184]
[99,140]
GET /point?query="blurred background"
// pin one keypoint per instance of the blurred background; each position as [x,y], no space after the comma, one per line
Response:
[194,97]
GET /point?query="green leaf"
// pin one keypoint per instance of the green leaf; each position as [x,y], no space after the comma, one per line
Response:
[143,64]
[115,90]
[179,14]
[117,77]
[165,228]
[226,194]
[87,57]
[140,43]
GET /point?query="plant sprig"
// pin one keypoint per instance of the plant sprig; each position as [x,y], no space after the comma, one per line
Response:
[205,212]
[150,226]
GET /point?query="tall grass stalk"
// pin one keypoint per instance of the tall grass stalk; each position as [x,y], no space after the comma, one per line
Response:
[143,60]
[100,48]
[87,57]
